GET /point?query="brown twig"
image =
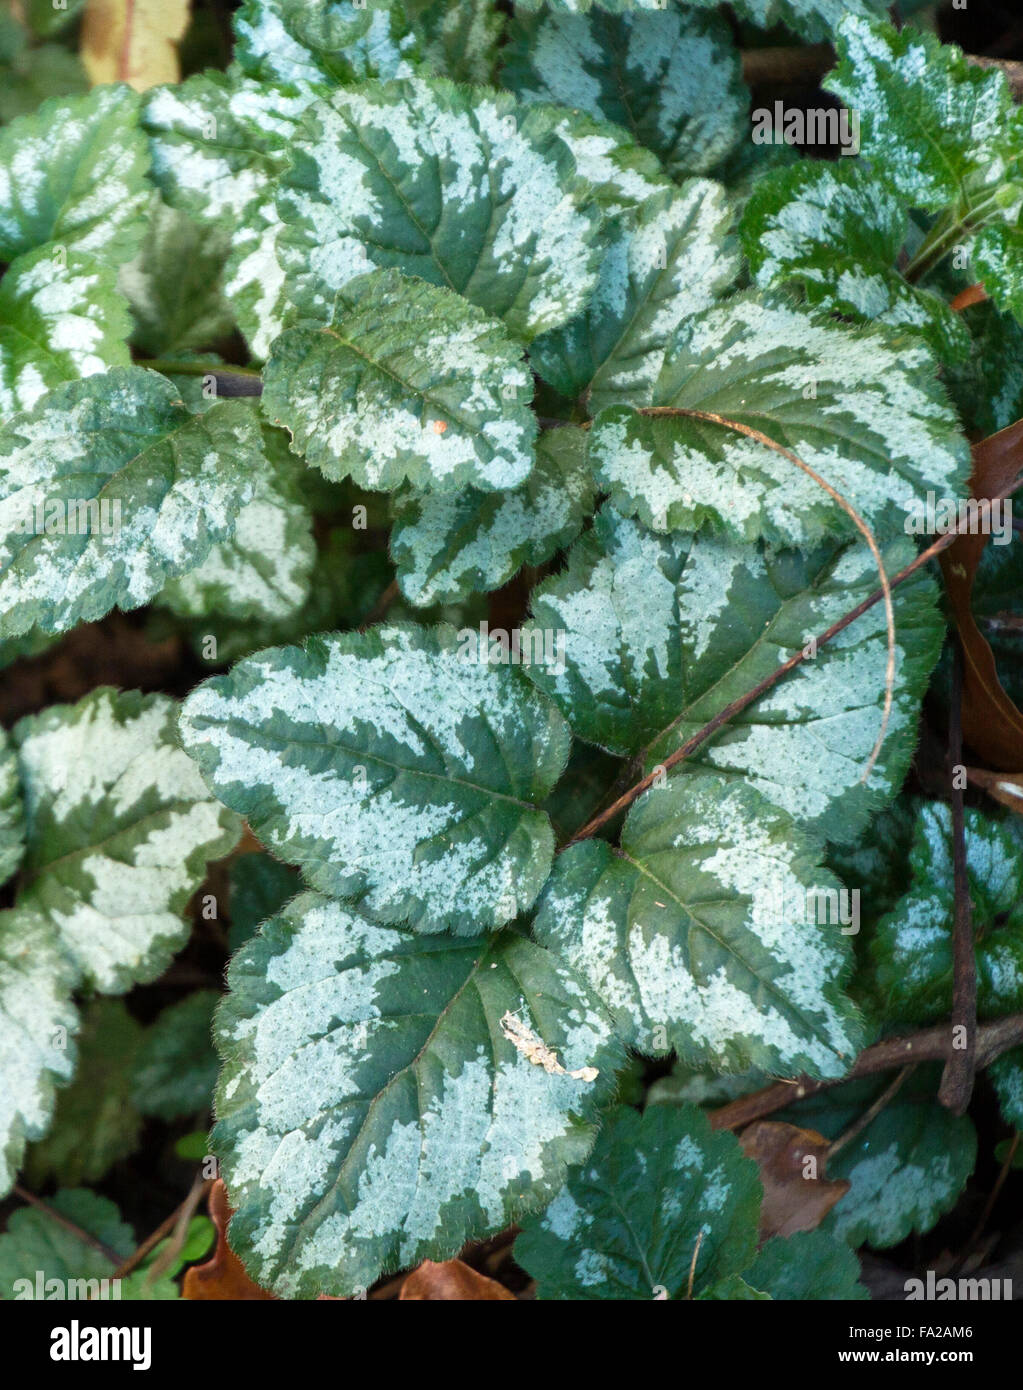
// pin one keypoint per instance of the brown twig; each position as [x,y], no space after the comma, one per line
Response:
[929,1045]
[761,688]
[871,1113]
[195,1193]
[957,1079]
[989,1205]
[381,606]
[66,1222]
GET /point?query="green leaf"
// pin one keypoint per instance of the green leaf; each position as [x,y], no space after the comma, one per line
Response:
[448,545]
[905,1169]
[325,44]
[219,145]
[391,765]
[663,632]
[912,949]
[37,1023]
[988,386]
[95,1123]
[459,41]
[1006,1073]
[673,259]
[12,827]
[373,1109]
[462,188]
[807,1266]
[264,572]
[811,19]
[404,381]
[174,284]
[998,260]
[260,886]
[107,488]
[36,1241]
[673,79]
[31,75]
[702,933]
[61,317]
[662,1200]
[74,173]
[837,230]
[858,405]
[942,132]
[120,828]
[46,17]
[621,174]
[175,1068]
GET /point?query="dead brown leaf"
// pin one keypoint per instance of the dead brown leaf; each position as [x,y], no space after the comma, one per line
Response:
[133,41]
[992,725]
[793,1164]
[452,1280]
[223,1275]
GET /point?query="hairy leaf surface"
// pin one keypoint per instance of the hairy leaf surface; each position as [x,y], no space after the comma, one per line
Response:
[703,932]
[390,765]
[374,1112]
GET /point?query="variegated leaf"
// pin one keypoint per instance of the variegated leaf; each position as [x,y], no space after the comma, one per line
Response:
[405,381]
[812,19]
[324,43]
[905,1169]
[460,41]
[998,260]
[702,933]
[674,258]
[448,545]
[74,173]
[174,284]
[941,131]
[622,175]
[120,828]
[662,1209]
[219,146]
[837,230]
[673,79]
[912,947]
[264,572]
[37,1026]
[107,488]
[375,1108]
[12,826]
[391,765]
[662,633]
[860,406]
[61,318]
[461,188]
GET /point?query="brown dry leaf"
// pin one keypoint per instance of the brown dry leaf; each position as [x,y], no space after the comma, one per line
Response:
[223,1275]
[133,41]
[992,725]
[1005,787]
[794,1199]
[452,1280]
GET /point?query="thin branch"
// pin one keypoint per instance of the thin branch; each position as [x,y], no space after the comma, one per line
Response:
[761,688]
[750,433]
[929,1045]
[989,1205]
[957,1079]
[871,1113]
[200,1186]
[66,1222]
[165,1227]
[381,606]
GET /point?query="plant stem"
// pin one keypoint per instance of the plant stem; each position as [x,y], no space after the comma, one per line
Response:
[172,368]
[738,705]
[957,1079]
[929,1045]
